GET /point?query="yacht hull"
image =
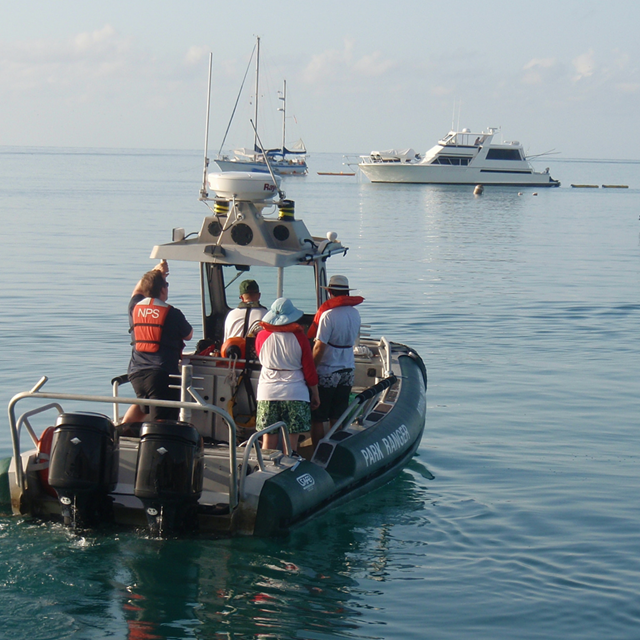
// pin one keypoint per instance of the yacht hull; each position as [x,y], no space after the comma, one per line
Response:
[451,175]
[279,168]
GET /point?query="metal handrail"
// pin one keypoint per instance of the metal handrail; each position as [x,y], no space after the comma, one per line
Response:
[387,348]
[253,441]
[370,394]
[24,419]
[199,405]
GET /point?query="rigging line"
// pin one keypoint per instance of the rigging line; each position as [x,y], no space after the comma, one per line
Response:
[266,159]
[237,100]
[551,152]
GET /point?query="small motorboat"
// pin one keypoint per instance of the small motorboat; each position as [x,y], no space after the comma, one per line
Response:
[207,472]
[461,157]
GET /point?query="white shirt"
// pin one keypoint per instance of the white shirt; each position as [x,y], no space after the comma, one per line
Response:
[234,322]
[282,376]
[339,327]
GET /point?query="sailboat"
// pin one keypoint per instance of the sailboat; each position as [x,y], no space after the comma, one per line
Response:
[283,160]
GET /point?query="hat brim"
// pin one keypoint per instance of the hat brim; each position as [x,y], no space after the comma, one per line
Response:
[277,320]
[338,288]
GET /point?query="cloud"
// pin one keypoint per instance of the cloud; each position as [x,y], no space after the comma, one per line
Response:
[342,66]
[537,70]
[622,59]
[196,54]
[540,62]
[100,42]
[328,62]
[441,91]
[56,65]
[584,65]
[628,87]
[373,65]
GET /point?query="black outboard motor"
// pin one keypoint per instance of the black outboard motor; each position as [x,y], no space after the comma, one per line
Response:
[169,475]
[83,467]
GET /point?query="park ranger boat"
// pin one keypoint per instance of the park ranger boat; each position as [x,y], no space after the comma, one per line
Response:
[207,472]
[461,157]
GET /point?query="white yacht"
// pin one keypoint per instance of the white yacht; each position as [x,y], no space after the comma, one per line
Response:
[461,157]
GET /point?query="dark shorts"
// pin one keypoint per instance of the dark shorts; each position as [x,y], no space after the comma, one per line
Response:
[333,402]
[154,383]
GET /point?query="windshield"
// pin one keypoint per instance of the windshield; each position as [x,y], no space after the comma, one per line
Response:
[298,285]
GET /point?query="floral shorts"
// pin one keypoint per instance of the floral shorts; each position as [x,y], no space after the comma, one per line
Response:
[334,389]
[340,378]
[296,414]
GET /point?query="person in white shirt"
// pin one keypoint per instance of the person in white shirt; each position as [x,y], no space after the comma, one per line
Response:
[287,388]
[240,321]
[336,327]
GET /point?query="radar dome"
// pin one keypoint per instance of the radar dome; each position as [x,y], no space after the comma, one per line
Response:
[254,186]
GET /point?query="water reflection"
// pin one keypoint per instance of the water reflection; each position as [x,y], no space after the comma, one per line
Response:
[319,582]
[307,584]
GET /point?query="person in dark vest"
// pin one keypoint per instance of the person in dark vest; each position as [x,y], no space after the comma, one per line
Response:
[158,333]
[335,329]
[240,321]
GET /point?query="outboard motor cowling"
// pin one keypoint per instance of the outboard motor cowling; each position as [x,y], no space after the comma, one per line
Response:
[83,466]
[169,475]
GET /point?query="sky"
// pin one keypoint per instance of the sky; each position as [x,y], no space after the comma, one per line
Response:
[561,76]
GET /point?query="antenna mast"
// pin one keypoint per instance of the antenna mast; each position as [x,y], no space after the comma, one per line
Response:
[284,113]
[203,192]
[255,123]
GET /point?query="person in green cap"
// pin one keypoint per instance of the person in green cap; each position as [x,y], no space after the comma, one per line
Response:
[249,312]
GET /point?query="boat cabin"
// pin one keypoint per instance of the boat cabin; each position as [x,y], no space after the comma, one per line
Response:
[466,138]
[246,236]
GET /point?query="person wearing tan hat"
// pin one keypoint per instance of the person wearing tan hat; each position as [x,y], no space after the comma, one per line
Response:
[335,328]
[249,312]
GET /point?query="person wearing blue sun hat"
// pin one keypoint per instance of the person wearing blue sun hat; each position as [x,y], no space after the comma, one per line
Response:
[288,384]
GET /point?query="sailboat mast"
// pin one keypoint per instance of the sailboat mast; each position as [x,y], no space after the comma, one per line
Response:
[284,113]
[255,117]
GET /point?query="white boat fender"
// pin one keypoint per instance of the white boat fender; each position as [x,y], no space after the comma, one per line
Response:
[332,236]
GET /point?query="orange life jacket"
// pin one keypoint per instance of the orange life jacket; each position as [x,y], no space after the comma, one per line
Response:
[332,303]
[239,345]
[149,316]
[42,460]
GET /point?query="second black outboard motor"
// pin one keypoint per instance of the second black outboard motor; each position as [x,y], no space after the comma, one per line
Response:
[83,467]
[169,475]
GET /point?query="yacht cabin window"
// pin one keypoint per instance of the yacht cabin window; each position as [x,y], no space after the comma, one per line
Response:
[504,154]
[451,160]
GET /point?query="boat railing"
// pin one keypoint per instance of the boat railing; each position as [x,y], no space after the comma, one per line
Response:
[252,443]
[24,419]
[198,404]
[362,403]
[387,355]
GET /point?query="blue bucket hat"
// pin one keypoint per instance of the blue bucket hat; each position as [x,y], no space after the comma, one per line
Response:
[282,312]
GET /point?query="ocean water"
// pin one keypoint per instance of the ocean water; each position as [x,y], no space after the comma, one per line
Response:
[519,516]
